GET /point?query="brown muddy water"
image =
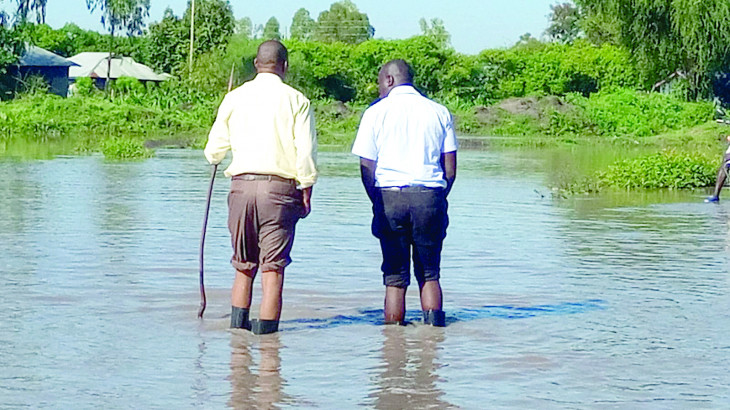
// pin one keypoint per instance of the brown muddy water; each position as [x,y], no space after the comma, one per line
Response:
[610,301]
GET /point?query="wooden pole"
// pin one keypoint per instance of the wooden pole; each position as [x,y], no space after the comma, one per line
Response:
[230,78]
[192,36]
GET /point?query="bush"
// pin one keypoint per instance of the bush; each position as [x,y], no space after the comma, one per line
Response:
[127,85]
[667,169]
[557,69]
[84,86]
[617,113]
[34,84]
[631,113]
[119,148]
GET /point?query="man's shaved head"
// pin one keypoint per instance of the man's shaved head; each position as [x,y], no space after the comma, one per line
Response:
[392,74]
[271,58]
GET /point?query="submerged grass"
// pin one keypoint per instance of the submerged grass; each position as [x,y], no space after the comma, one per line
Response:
[669,169]
[124,148]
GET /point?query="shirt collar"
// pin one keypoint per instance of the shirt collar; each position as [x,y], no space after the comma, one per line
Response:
[268,77]
[403,89]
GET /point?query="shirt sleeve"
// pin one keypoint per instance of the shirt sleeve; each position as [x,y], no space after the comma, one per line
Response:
[305,141]
[450,142]
[219,138]
[364,145]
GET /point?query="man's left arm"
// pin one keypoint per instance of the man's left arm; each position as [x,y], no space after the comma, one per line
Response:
[305,141]
[448,164]
[448,153]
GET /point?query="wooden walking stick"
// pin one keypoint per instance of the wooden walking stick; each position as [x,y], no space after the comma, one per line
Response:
[203,301]
[202,242]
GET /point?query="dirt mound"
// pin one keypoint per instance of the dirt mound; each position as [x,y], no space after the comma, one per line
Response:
[534,107]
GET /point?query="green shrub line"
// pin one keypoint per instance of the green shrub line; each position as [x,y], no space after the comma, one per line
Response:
[669,169]
[138,118]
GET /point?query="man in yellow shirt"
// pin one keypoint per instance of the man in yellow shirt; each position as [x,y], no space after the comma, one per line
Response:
[269,128]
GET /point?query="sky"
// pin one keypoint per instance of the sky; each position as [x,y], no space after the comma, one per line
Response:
[474,25]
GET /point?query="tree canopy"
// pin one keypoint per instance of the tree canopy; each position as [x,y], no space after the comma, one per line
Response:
[271,29]
[683,37]
[564,23]
[169,42]
[244,27]
[170,38]
[214,24]
[117,15]
[343,22]
[436,30]
[302,25]
[26,8]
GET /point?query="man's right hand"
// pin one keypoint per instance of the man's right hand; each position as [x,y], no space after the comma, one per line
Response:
[306,201]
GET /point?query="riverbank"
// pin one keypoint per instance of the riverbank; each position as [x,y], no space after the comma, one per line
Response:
[133,126]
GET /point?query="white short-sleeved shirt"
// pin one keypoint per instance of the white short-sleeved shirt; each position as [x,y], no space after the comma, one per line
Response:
[405,133]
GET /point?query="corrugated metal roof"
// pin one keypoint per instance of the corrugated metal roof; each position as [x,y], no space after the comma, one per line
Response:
[95,65]
[38,57]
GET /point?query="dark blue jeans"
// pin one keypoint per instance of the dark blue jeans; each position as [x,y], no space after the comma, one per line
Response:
[410,223]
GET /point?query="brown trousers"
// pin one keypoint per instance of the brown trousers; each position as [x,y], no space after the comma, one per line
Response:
[262,213]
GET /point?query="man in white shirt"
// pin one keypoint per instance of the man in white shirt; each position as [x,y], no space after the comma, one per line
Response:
[269,128]
[407,149]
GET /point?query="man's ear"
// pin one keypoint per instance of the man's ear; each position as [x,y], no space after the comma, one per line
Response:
[389,80]
[286,66]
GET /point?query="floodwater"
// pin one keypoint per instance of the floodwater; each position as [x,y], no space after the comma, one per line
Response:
[611,301]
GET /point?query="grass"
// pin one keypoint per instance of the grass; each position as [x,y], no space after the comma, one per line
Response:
[124,148]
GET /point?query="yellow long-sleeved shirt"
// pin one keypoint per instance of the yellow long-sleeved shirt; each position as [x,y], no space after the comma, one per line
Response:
[269,128]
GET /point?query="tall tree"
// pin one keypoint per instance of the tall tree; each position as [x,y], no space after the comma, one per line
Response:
[244,27]
[11,47]
[687,37]
[527,40]
[214,24]
[564,23]
[117,15]
[436,30]
[168,42]
[170,38]
[343,22]
[302,25]
[4,18]
[257,31]
[271,29]
[28,7]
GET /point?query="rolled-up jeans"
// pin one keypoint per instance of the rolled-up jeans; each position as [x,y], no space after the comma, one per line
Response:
[410,222]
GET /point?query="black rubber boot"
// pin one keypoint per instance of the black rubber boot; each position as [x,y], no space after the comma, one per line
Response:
[434,318]
[263,327]
[239,318]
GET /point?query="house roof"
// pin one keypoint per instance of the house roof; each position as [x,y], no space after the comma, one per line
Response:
[95,65]
[37,57]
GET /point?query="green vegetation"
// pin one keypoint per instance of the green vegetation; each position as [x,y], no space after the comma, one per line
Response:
[119,148]
[606,115]
[590,84]
[667,169]
[686,37]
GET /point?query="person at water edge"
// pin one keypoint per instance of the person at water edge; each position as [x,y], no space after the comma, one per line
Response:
[721,175]
[269,128]
[407,149]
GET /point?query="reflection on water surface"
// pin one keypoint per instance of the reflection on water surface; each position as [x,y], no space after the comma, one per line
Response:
[617,300]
